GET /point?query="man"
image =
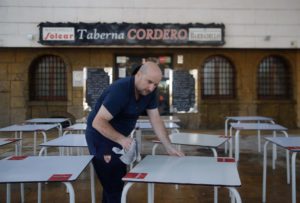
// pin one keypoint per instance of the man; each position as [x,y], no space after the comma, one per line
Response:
[112,120]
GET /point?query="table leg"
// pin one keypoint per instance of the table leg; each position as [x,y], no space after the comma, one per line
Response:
[226,134]
[60,133]
[235,194]
[92,183]
[16,147]
[150,192]
[59,129]
[274,152]
[230,143]
[8,193]
[21,141]
[41,151]
[22,192]
[154,148]
[237,146]
[294,154]
[258,139]
[288,167]
[69,121]
[39,192]
[34,143]
[265,172]
[214,152]
[71,191]
[45,140]
[287,161]
[138,134]
[215,194]
[125,190]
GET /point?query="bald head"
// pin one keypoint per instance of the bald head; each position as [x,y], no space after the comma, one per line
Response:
[147,78]
[150,66]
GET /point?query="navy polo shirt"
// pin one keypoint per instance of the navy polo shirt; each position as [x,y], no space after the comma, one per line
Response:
[119,100]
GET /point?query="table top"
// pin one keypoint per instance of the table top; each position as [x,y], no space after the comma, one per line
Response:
[185,170]
[258,126]
[76,126]
[17,169]
[47,120]
[28,127]
[164,118]
[148,126]
[68,140]
[196,139]
[249,118]
[290,143]
[81,120]
[5,141]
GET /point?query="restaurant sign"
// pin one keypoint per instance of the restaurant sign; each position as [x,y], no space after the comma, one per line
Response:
[131,34]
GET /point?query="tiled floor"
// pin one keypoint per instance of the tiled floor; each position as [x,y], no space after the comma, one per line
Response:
[250,169]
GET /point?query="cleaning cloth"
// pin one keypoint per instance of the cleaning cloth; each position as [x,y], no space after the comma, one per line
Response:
[128,156]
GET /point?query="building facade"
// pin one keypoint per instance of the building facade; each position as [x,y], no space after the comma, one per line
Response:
[252,69]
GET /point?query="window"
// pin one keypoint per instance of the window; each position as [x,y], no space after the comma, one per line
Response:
[273,79]
[217,78]
[48,79]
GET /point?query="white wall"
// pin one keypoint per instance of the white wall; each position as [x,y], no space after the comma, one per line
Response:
[247,22]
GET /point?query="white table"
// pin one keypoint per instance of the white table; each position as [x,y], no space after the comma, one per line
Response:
[290,144]
[75,128]
[146,126]
[211,142]
[57,121]
[239,119]
[254,126]
[68,140]
[195,139]
[23,169]
[81,120]
[145,119]
[35,128]
[71,140]
[192,170]
[6,141]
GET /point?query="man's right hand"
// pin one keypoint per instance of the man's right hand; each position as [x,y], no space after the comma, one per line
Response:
[125,142]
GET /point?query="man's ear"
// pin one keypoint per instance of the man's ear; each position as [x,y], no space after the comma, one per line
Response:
[138,74]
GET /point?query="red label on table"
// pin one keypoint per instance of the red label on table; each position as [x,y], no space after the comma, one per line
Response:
[225,159]
[60,177]
[136,175]
[11,139]
[17,158]
[293,148]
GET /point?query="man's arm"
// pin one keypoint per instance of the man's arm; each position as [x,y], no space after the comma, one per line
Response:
[102,125]
[161,132]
